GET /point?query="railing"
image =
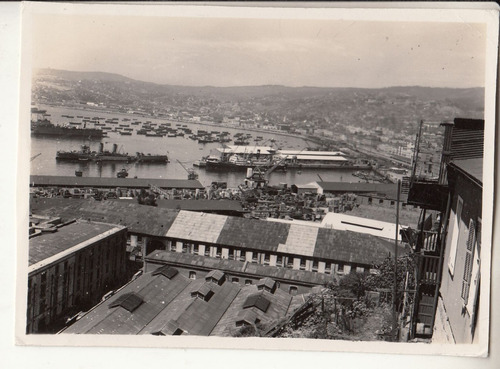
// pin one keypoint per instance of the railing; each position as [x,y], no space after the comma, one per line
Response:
[429,266]
[430,241]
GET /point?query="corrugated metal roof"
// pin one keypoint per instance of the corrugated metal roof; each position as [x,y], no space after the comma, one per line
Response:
[343,222]
[300,241]
[316,157]
[216,229]
[278,308]
[239,149]
[199,227]
[388,189]
[168,307]
[352,247]
[251,233]
[100,182]
[302,277]
[467,138]
[310,153]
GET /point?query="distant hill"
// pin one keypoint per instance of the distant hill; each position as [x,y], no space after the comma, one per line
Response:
[391,106]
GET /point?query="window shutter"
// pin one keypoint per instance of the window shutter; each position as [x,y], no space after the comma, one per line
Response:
[468,261]
[455,236]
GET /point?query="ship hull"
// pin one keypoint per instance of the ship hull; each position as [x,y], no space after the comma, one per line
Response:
[66,132]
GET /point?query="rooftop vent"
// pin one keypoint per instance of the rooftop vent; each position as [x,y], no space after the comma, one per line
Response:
[266,284]
[203,292]
[166,271]
[258,301]
[129,301]
[246,317]
[216,276]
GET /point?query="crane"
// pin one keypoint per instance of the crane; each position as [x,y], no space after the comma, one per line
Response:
[192,175]
[35,156]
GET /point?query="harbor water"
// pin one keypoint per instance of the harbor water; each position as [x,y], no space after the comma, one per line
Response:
[182,149]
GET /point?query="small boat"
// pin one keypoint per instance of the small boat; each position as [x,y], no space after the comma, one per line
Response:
[122,173]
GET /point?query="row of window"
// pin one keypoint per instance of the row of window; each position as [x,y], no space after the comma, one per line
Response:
[292,289]
[254,257]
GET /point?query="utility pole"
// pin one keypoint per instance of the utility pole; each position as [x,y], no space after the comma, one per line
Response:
[395,325]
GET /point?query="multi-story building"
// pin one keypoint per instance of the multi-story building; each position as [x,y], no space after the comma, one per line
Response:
[71,266]
[446,304]
[298,247]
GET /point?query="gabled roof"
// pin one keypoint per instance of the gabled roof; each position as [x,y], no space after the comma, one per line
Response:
[258,301]
[129,301]
[166,271]
[153,304]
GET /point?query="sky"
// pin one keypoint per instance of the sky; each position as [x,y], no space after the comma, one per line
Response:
[242,52]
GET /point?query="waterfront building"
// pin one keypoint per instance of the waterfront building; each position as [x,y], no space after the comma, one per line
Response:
[113,183]
[71,266]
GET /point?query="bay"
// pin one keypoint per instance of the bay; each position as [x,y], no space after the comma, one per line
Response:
[181,149]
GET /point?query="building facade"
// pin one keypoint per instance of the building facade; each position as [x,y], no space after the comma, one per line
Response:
[459,291]
[70,268]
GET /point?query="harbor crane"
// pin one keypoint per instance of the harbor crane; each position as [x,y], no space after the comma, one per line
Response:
[192,175]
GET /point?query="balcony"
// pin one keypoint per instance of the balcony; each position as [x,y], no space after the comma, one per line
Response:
[428,195]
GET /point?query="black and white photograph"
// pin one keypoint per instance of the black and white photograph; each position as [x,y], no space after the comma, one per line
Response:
[257,177]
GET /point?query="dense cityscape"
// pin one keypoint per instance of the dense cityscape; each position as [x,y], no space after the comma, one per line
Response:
[360,258]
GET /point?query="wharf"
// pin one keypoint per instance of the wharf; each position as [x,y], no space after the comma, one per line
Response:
[99,182]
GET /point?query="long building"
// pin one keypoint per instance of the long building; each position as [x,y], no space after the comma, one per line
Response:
[164,302]
[98,182]
[71,265]
[291,246]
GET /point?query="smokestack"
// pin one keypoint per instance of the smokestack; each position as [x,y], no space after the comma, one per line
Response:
[115,147]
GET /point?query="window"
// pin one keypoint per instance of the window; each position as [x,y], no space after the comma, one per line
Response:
[455,236]
[173,246]
[248,282]
[381,201]
[328,268]
[302,264]
[293,290]
[469,251]
[207,250]
[192,275]
[231,254]
[279,260]
[340,268]
[218,252]
[474,286]
[195,249]
[315,266]
[235,280]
